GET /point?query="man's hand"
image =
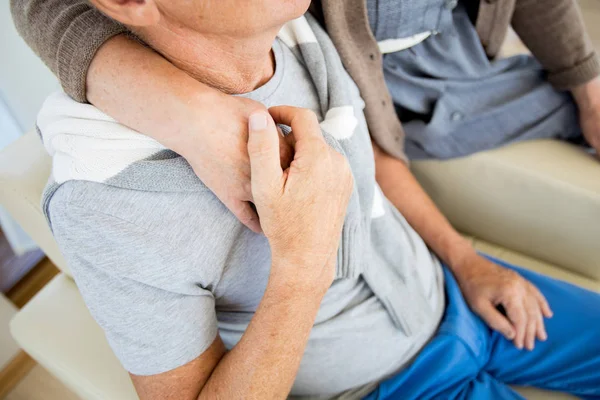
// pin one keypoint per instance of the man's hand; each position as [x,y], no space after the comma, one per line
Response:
[486,286]
[302,208]
[587,97]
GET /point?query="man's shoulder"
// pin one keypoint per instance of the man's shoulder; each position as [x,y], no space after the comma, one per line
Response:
[133,233]
[149,210]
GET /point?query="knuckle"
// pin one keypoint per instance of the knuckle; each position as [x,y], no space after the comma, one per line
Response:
[479,304]
[516,286]
[320,146]
[516,291]
[253,106]
[307,114]
[512,293]
[259,148]
[518,315]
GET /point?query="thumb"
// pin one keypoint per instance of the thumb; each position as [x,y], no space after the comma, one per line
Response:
[263,149]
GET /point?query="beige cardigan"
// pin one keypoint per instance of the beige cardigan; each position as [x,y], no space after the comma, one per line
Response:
[67,34]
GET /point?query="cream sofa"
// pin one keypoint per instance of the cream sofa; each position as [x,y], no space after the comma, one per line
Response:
[538,202]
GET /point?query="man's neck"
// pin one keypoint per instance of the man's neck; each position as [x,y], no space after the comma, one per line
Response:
[234,65]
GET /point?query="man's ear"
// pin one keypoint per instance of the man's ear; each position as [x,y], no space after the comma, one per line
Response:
[139,13]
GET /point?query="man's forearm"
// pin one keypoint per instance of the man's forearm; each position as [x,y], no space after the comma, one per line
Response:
[402,189]
[264,364]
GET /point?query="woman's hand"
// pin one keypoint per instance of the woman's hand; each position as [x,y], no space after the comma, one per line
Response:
[486,286]
[587,97]
[302,208]
[218,153]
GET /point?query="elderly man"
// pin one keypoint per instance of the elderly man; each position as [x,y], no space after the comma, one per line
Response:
[341,296]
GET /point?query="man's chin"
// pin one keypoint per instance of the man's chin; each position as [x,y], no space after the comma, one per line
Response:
[297,8]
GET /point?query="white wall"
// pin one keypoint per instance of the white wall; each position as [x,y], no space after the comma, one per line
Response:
[24,84]
[24,79]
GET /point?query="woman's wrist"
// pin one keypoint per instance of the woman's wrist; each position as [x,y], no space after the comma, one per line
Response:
[194,121]
[587,95]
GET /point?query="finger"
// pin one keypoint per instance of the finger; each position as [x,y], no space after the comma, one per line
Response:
[304,122]
[546,310]
[245,213]
[530,335]
[516,314]
[263,149]
[532,321]
[495,319]
[286,150]
[285,134]
[540,302]
[541,333]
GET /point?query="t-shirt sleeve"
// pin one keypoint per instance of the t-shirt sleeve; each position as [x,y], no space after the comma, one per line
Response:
[153,320]
[65,35]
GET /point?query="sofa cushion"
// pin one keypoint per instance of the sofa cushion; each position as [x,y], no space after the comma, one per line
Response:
[540,198]
[24,171]
[58,331]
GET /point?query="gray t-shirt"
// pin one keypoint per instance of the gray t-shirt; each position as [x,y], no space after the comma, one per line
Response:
[164,272]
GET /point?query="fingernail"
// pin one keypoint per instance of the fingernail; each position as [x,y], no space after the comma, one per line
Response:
[257,121]
[519,346]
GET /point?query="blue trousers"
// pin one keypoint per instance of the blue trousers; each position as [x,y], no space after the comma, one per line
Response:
[467,360]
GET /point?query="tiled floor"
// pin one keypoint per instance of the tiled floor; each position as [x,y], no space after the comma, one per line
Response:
[40,385]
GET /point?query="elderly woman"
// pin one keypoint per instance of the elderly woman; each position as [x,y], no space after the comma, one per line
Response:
[341,295]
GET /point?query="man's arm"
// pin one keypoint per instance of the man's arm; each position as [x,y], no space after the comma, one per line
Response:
[264,363]
[484,284]
[402,189]
[303,210]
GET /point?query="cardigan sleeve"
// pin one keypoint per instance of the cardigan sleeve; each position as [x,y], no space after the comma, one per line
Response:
[555,33]
[65,35]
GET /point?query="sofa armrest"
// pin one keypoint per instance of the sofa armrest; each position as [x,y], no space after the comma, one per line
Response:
[58,331]
[24,171]
[540,198]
